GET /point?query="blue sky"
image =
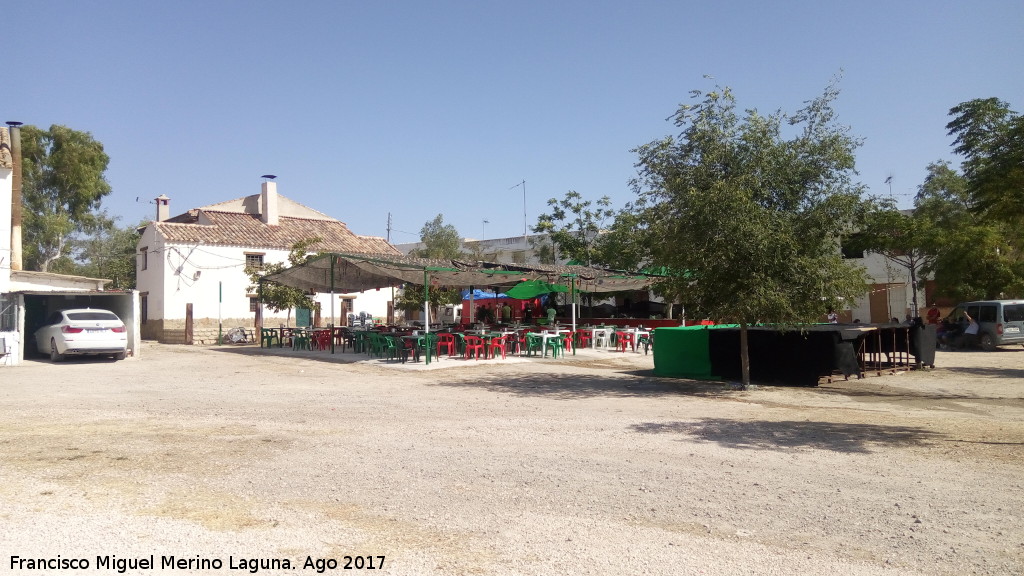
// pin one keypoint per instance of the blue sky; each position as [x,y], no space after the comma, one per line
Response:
[426,108]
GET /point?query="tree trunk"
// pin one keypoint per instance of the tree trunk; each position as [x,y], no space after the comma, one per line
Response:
[744,355]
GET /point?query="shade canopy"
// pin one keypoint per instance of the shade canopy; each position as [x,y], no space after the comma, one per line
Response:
[531,288]
[339,272]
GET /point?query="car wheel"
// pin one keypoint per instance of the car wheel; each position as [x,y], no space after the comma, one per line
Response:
[54,355]
[986,342]
[120,355]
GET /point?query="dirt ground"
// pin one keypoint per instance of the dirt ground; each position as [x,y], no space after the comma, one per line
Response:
[585,465]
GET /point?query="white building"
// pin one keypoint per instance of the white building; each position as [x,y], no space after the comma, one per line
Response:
[190,268]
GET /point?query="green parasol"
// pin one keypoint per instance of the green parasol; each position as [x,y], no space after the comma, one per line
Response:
[530,288]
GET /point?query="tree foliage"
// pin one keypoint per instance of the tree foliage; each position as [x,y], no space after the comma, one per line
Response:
[108,252]
[439,240]
[749,218]
[280,297]
[573,224]
[990,137]
[973,256]
[62,188]
[442,241]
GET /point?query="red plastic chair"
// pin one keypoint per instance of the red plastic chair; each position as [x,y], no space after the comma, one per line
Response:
[624,339]
[447,342]
[498,343]
[322,339]
[583,337]
[475,345]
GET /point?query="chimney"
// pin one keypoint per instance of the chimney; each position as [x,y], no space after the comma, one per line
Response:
[268,202]
[16,253]
[163,208]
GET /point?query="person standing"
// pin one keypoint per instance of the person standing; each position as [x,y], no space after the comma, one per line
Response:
[933,314]
[971,332]
[506,313]
[552,312]
[833,318]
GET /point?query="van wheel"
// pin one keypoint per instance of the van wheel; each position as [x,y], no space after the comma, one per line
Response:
[54,355]
[987,343]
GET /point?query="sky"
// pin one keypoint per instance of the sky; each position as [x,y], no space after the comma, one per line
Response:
[480,111]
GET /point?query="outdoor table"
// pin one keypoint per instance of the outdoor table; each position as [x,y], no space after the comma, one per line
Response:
[282,333]
[414,341]
[601,334]
[549,333]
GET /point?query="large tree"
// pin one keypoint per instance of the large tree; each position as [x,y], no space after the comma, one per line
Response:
[108,252]
[573,224]
[440,241]
[990,137]
[63,185]
[971,254]
[749,210]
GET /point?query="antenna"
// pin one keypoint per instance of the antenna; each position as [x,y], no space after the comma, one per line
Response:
[523,184]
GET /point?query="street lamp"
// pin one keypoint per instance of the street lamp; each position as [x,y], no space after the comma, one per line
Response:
[483,229]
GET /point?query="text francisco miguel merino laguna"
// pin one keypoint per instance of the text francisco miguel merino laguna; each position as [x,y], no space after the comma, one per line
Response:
[252,565]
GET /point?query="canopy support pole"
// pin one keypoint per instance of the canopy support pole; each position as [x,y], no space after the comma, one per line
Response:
[572,298]
[332,304]
[426,302]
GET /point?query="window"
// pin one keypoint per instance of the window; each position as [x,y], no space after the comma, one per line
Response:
[254,304]
[143,258]
[8,313]
[254,260]
[144,307]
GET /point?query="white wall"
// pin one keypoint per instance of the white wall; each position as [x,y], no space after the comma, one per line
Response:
[881,270]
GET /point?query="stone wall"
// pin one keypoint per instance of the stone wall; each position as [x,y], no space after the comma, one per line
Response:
[204,330]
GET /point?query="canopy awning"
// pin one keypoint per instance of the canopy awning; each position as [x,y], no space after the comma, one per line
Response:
[338,272]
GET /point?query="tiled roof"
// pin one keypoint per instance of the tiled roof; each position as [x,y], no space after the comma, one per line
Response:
[234,229]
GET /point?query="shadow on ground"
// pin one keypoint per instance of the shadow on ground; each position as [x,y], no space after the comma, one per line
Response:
[574,386]
[790,435]
[538,380]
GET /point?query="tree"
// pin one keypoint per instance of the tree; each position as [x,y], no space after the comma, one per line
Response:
[440,241]
[573,225]
[902,237]
[63,185]
[752,220]
[280,297]
[974,256]
[990,137]
[109,252]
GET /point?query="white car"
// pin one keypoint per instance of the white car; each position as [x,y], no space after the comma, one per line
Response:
[82,331]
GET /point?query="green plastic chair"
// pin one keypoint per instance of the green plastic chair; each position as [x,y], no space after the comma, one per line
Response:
[301,340]
[557,346]
[269,337]
[534,343]
[388,347]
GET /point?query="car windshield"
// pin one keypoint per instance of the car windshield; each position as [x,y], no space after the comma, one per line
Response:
[92,315]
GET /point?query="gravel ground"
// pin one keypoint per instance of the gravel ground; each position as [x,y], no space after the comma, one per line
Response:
[583,465]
